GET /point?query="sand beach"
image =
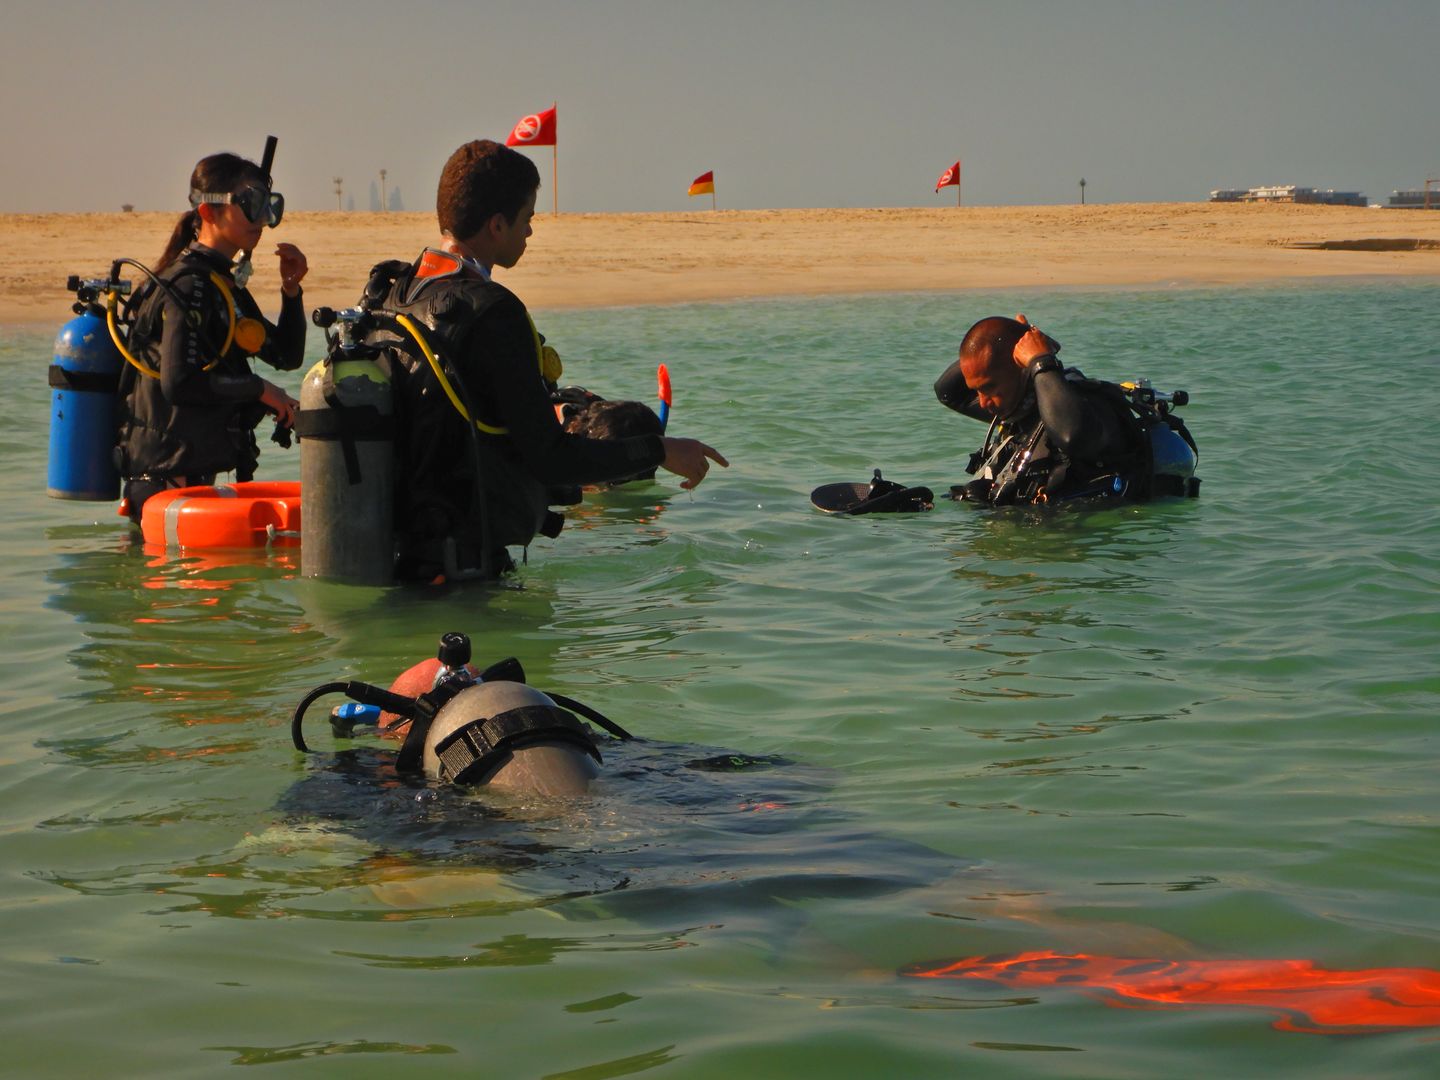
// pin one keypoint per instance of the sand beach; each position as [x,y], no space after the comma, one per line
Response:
[590,260]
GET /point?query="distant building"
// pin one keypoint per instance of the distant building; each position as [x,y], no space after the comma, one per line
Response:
[1414,200]
[1290,193]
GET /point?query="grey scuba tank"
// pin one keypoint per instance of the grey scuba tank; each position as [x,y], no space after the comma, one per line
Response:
[552,766]
[347,464]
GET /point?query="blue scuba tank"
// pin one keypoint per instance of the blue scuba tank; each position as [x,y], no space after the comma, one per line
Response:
[84,376]
[1170,453]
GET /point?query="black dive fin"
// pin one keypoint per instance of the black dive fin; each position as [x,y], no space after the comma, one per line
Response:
[880,496]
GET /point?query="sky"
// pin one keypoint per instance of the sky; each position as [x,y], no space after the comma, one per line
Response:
[792,103]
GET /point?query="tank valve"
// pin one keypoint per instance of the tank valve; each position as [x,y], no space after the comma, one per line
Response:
[454,655]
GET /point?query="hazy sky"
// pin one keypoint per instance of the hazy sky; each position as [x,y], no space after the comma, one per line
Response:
[791,102]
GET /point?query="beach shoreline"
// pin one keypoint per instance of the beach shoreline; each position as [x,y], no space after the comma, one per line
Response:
[623,260]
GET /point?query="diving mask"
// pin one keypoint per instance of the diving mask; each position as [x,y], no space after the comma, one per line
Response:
[258,204]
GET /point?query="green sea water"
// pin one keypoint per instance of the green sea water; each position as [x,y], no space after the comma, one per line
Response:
[1199,729]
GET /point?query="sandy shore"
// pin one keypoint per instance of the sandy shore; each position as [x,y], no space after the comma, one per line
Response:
[586,260]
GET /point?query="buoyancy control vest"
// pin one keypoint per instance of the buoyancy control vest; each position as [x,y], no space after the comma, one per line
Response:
[157,437]
[450,442]
[1019,462]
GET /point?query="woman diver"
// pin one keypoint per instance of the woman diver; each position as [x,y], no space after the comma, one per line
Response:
[189,400]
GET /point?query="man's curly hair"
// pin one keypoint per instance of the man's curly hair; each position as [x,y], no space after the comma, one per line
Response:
[480,180]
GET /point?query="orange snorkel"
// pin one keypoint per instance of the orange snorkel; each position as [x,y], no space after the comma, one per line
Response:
[662,375]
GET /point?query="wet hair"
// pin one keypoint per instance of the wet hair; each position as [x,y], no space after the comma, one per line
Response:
[992,336]
[220,174]
[616,420]
[480,180]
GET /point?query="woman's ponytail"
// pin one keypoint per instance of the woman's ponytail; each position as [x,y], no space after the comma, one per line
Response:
[186,229]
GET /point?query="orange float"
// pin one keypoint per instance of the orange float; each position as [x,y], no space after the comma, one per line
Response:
[253,514]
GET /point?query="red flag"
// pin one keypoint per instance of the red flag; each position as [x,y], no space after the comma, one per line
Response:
[949,178]
[704,184]
[537,129]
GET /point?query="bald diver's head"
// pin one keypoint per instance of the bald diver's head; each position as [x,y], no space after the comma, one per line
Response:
[987,360]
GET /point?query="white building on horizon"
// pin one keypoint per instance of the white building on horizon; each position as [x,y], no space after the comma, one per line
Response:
[1290,193]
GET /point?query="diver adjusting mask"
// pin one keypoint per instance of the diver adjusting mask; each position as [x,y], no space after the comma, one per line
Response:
[259,205]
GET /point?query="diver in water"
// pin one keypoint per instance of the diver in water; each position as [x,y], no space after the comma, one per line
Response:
[480,453]
[191,412]
[583,412]
[1056,436]
[472,728]
[500,793]
[497,778]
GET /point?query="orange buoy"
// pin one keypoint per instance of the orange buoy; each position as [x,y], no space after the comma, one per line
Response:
[253,514]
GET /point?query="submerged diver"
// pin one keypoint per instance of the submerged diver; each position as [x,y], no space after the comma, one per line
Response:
[462,727]
[191,413]
[496,778]
[583,412]
[480,453]
[1056,436]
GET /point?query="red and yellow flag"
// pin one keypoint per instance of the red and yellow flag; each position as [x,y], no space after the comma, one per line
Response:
[704,184]
[537,129]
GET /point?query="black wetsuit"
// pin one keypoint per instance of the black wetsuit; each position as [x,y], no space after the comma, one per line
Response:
[486,330]
[1068,437]
[191,423]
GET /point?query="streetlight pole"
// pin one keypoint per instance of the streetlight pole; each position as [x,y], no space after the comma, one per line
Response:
[339,190]
[383,204]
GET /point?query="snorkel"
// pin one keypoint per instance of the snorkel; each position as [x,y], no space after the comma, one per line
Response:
[662,376]
[243,269]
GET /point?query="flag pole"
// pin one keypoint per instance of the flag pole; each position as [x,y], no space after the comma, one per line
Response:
[957,183]
[555,162]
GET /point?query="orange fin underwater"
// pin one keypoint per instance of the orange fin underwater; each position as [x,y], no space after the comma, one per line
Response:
[1309,998]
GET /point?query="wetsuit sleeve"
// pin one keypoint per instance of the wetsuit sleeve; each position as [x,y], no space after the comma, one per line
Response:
[1083,427]
[502,346]
[285,347]
[185,351]
[950,388]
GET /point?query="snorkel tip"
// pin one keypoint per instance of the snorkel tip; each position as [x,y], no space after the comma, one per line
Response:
[662,376]
[267,160]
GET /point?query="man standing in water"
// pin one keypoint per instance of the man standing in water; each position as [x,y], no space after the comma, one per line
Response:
[481,450]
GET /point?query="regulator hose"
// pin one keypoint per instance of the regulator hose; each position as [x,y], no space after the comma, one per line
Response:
[589,714]
[112,300]
[367,694]
[437,367]
[364,693]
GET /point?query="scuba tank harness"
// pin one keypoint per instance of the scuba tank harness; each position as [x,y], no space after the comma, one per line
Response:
[466,727]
